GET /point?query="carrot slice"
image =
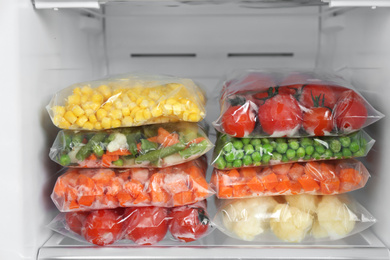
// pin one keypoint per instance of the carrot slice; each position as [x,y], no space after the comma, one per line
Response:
[308,183]
[256,185]
[283,184]
[153,139]
[120,152]
[183,198]
[167,139]
[196,141]
[270,181]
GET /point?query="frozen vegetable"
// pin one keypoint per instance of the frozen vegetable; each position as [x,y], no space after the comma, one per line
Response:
[233,152]
[90,189]
[127,100]
[323,177]
[159,145]
[272,219]
[291,104]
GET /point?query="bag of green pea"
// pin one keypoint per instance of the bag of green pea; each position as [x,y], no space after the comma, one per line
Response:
[231,152]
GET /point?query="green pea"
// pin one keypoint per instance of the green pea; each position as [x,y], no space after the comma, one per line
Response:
[118,162]
[284,158]
[238,145]
[220,163]
[98,150]
[228,147]
[273,144]
[237,163]
[320,149]
[307,158]
[259,148]
[281,148]
[293,144]
[335,146]
[248,148]
[347,152]
[229,157]
[316,156]
[301,152]
[276,156]
[328,154]
[265,140]
[345,141]
[354,147]
[245,140]
[256,157]
[64,160]
[247,160]
[305,142]
[257,164]
[229,165]
[290,153]
[255,142]
[338,155]
[360,153]
[267,149]
[240,154]
[363,143]
[266,158]
[309,150]
[280,140]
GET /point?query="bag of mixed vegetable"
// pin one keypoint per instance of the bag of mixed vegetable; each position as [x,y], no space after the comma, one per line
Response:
[293,104]
[159,145]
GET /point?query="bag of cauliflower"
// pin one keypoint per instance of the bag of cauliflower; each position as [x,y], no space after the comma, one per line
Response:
[127,100]
[295,218]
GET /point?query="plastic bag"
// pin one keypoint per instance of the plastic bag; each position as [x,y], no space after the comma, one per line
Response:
[127,100]
[142,225]
[297,218]
[233,152]
[146,146]
[294,104]
[320,178]
[91,189]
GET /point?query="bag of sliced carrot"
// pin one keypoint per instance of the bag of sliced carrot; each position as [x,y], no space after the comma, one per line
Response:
[91,189]
[320,178]
[159,145]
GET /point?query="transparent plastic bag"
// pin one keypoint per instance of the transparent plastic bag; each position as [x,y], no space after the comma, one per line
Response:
[320,178]
[296,218]
[233,152]
[159,145]
[91,189]
[141,225]
[281,103]
[127,100]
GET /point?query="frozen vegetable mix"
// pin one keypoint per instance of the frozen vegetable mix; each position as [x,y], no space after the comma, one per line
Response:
[159,145]
[127,100]
[297,218]
[92,189]
[231,152]
[291,104]
[135,225]
[321,178]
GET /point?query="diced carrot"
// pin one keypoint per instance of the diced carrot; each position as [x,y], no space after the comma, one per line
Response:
[157,193]
[167,139]
[313,169]
[120,152]
[140,174]
[195,172]
[196,141]
[295,187]
[234,175]
[124,198]
[256,185]
[115,186]
[183,198]
[108,200]
[160,196]
[92,157]
[225,192]
[224,180]
[60,187]
[143,197]
[330,186]
[86,200]
[139,147]
[283,184]
[214,179]
[308,183]
[350,175]
[281,169]
[175,183]
[162,134]
[103,176]
[328,170]
[107,159]
[248,173]
[73,205]
[296,171]
[270,181]
[85,185]
[241,191]
[153,139]
[125,175]
[134,188]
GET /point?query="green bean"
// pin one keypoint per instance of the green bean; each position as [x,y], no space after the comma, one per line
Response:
[161,153]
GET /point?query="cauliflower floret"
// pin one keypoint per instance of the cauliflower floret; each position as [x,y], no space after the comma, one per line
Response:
[249,217]
[119,142]
[335,217]
[318,231]
[290,223]
[304,202]
[72,154]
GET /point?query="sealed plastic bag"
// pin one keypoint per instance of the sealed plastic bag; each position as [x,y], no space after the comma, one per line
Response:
[294,104]
[142,225]
[91,189]
[320,178]
[233,152]
[127,100]
[145,146]
[297,218]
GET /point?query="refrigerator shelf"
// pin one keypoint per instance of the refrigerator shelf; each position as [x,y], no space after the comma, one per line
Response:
[218,246]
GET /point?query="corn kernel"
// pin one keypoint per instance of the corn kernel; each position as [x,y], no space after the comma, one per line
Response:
[95,106]
[104,90]
[87,90]
[81,121]
[171,101]
[89,112]
[134,111]
[144,103]
[147,114]
[100,114]
[74,99]
[139,101]
[77,91]
[97,98]
[84,99]
[58,110]
[154,95]
[168,110]
[127,121]
[132,105]
[118,92]
[88,126]
[77,111]
[92,119]
[107,106]
[106,122]
[184,101]
[116,123]
[64,124]
[57,119]
[139,115]
[125,111]
[132,97]
[98,126]
[116,114]
[69,116]
[186,115]
[157,111]
[177,109]
[193,117]
[118,104]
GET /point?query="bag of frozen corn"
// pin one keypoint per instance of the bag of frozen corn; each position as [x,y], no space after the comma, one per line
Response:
[127,100]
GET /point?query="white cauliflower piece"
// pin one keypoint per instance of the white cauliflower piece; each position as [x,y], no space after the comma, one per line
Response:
[317,231]
[304,202]
[119,142]
[249,217]
[72,154]
[290,223]
[335,217]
